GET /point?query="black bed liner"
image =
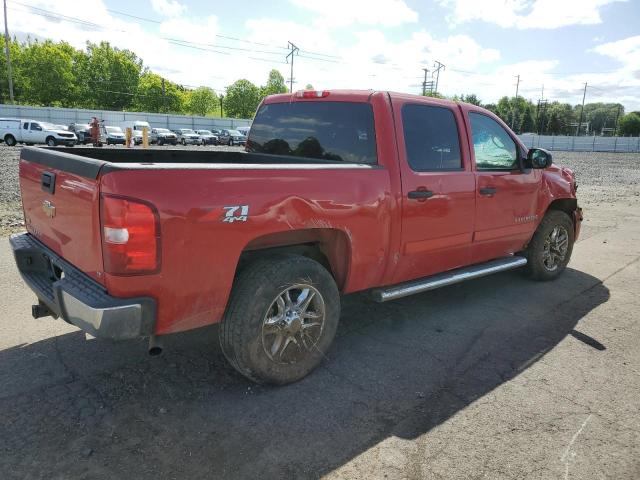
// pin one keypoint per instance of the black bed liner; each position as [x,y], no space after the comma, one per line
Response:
[88,162]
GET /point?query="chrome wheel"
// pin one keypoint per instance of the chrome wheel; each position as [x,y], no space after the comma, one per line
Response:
[555,248]
[293,324]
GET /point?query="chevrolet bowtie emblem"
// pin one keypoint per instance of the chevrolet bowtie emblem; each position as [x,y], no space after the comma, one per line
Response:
[48,209]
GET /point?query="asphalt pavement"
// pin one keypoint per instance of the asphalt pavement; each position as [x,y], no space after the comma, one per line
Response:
[497,378]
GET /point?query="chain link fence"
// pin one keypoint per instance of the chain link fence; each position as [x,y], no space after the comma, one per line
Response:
[65,116]
[582,144]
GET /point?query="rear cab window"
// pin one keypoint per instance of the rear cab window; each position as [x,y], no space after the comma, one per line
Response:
[324,130]
[431,138]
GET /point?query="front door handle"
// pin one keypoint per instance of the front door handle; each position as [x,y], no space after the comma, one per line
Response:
[420,194]
[488,190]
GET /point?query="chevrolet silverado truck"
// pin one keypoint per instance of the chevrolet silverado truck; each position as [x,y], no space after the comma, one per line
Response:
[337,192]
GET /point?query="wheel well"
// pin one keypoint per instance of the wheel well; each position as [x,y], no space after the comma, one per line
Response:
[48,137]
[8,135]
[328,247]
[567,205]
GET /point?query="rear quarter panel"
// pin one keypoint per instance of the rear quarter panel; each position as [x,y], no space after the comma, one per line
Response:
[200,252]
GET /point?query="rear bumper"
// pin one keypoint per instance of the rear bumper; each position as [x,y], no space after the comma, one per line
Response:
[69,293]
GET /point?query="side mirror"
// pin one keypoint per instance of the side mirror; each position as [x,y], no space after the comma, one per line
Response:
[539,158]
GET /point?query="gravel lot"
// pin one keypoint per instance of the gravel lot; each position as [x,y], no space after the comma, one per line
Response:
[499,378]
[607,176]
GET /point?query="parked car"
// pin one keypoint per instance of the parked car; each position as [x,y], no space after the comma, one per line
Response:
[13,131]
[114,135]
[82,131]
[136,126]
[232,137]
[208,137]
[338,192]
[161,136]
[244,130]
[187,136]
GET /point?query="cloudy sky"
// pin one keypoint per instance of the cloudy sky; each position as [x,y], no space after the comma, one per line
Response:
[368,44]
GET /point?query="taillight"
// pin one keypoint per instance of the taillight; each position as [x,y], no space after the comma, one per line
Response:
[130,236]
[312,93]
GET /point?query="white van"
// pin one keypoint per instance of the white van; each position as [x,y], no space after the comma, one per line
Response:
[136,127]
[15,130]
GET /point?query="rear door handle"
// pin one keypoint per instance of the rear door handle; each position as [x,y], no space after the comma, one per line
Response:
[420,194]
[488,190]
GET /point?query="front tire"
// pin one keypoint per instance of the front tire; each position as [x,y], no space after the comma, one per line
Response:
[281,319]
[51,142]
[550,248]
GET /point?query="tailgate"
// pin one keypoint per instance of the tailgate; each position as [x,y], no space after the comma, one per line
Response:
[61,201]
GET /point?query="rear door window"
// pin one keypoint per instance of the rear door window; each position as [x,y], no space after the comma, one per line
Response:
[338,131]
[431,138]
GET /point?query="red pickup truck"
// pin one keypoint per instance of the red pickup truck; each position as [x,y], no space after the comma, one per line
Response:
[337,192]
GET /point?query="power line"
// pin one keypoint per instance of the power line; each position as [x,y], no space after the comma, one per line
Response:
[437,72]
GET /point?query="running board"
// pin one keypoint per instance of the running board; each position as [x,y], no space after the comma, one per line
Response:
[447,278]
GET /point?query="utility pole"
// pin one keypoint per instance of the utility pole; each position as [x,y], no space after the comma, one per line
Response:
[293,51]
[515,104]
[164,98]
[221,99]
[6,47]
[424,83]
[437,72]
[584,94]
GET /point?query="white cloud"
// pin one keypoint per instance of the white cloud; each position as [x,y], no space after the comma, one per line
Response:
[341,13]
[168,8]
[371,61]
[626,51]
[183,28]
[527,14]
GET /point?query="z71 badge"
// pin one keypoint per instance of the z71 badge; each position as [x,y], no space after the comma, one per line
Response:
[239,213]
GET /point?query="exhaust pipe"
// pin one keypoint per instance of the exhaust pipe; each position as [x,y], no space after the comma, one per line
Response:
[155,346]
[41,310]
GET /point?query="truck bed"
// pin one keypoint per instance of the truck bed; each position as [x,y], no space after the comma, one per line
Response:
[88,162]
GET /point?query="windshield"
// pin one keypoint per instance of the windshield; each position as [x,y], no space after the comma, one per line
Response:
[342,131]
[48,126]
[204,132]
[234,132]
[187,130]
[113,129]
[162,130]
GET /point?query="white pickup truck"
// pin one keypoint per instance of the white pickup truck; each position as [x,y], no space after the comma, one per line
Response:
[14,130]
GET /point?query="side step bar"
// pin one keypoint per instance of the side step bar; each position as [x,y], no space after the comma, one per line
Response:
[447,278]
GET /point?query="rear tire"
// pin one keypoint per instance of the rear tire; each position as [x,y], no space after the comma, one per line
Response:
[268,333]
[10,140]
[550,248]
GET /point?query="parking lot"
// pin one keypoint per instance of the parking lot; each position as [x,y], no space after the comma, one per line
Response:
[499,378]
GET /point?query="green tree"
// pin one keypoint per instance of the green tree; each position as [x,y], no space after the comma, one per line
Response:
[47,73]
[558,118]
[308,87]
[275,84]
[472,99]
[242,99]
[527,122]
[201,101]
[108,77]
[630,124]
[149,96]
